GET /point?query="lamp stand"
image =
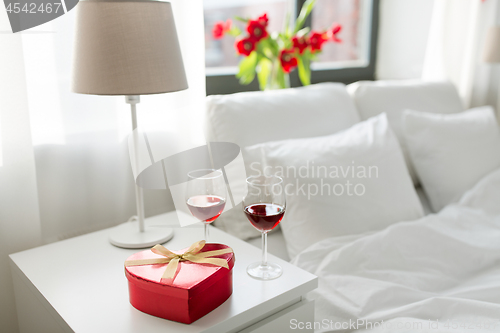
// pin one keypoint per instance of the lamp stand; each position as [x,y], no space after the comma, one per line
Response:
[136,234]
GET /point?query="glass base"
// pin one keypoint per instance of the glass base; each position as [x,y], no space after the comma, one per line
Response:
[269,272]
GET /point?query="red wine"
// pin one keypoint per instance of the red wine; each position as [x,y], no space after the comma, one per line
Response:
[206,207]
[264,216]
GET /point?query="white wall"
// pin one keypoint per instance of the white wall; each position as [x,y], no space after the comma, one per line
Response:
[403,30]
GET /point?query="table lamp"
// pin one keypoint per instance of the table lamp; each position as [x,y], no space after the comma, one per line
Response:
[130,48]
[491,54]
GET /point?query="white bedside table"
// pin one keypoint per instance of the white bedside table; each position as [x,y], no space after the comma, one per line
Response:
[79,285]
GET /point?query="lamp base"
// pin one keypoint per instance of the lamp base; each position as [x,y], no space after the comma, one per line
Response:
[128,236]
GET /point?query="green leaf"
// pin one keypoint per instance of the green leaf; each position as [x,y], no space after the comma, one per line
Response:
[304,71]
[235,32]
[304,13]
[288,32]
[262,49]
[283,42]
[270,47]
[241,19]
[263,72]
[303,32]
[246,73]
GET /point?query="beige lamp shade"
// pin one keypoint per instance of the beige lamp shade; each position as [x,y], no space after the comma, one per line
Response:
[127,47]
[492,46]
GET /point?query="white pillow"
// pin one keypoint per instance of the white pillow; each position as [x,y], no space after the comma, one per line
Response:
[260,116]
[395,96]
[380,191]
[255,117]
[451,153]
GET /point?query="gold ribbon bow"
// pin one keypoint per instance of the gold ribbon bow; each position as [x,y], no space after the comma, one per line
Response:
[192,254]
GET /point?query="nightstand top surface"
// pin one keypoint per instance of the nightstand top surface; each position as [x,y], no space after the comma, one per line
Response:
[83,281]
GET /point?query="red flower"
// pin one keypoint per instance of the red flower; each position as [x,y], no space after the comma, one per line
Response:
[263,20]
[300,43]
[288,60]
[220,28]
[336,28]
[245,46]
[257,30]
[317,39]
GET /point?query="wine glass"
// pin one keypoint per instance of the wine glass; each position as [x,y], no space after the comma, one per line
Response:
[264,206]
[206,195]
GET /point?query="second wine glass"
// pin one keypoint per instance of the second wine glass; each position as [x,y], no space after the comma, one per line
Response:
[206,195]
[264,205]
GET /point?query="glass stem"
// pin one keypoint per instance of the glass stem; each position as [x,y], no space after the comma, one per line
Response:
[264,249]
[206,231]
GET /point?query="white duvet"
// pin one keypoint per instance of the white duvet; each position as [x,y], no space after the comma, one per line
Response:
[437,274]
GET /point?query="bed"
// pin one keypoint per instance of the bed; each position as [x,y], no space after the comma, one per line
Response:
[438,269]
[276,241]
[418,273]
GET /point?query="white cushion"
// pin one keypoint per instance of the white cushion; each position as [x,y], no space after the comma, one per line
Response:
[451,153]
[255,117]
[383,195]
[394,97]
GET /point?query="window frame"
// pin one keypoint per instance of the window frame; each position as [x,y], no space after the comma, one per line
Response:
[220,84]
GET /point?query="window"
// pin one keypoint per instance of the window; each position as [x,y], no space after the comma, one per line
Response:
[349,61]
[354,16]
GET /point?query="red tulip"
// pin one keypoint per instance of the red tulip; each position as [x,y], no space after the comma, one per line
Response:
[245,46]
[336,28]
[256,30]
[317,39]
[263,20]
[220,28]
[288,60]
[300,43]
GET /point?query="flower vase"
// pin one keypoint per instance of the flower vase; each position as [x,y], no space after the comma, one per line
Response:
[273,81]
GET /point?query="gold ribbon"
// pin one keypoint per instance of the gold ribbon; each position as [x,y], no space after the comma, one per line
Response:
[192,254]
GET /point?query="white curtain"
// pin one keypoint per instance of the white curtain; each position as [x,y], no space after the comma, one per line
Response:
[64,164]
[455,46]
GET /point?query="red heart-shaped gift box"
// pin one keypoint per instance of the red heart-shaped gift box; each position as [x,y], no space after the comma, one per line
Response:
[196,290]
